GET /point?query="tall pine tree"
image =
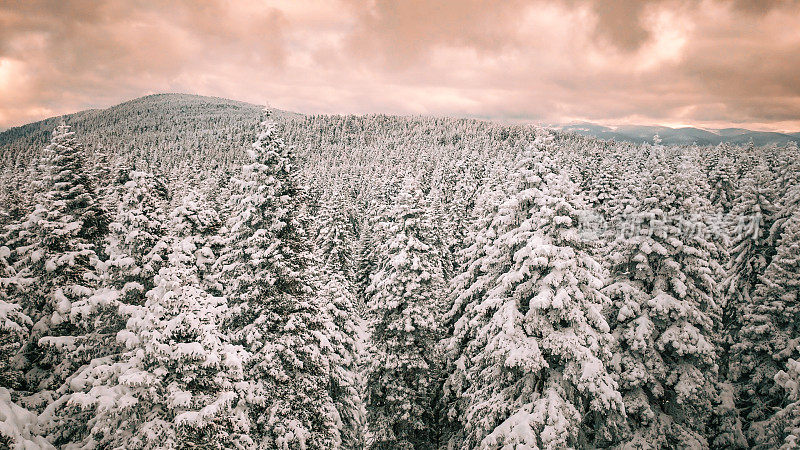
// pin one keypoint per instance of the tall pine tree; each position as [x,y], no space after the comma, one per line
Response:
[769,337]
[173,386]
[527,361]
[664,297]
[405,297]
[274,315]
[63,234]
[136,245]
[336,291]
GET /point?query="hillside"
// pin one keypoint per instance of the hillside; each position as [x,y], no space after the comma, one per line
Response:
[162,121]
[146,123]
[180,271]
[682,136]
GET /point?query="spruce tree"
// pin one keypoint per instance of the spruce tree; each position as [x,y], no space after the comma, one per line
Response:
[344,332]
[405,296]
[335,290]
[527,362]
[15,325]
[136,245]
[335,236]
[173,386]
[722,180]
[18,426]
[195,216]
[787,420]
[664,295]
[751,250]
[62,235]
[769,337]
[371,243]
[274,315]
[750,254]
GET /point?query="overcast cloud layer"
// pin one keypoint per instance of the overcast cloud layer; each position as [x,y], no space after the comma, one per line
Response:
[711,63]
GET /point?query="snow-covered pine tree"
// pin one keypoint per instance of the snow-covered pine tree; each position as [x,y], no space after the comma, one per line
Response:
[788,202]
[265,270]
[527,359]
[13,206]
[786,164]
[787,419]
[136,245]
[490,195]
[103,170]
[59,255]
[344,333]
[602,184]
[750,253]
[769,337]
[459,210]
[14,324]
[335,290]
[196,217]
[175,384]
[723,183]
[443,230]
[18,197]
[405,298]
[371,244]
[19,428]
[335,236]
[664,307]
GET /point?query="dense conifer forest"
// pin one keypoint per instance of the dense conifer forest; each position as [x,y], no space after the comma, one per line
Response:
[193,272]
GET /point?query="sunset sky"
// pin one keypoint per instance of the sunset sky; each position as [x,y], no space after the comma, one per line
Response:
[714,63]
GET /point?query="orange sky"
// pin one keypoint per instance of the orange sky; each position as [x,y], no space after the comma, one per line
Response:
[712,63]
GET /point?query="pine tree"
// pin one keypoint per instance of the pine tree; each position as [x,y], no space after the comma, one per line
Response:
[196,217]
[769,336]
[459,211]
[104,171]
[788,203]
[527,360]
[750,254]
[136,244]
[751,250]
[274,314]
[335,290]
[61,236]
[336,237]
[443,234]
[174,386]
[722,179]
[371,244]
[405,296]
[18,426]
[344,333]
[787,420]
[664,306]
[14,324]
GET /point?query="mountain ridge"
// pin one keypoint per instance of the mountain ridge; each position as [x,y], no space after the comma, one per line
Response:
[680,136]
[630,133]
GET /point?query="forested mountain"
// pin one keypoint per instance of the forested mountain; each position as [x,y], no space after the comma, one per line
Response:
[682,136]
[191,272]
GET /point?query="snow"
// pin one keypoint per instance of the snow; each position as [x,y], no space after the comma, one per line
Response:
[450,261]
[20,425]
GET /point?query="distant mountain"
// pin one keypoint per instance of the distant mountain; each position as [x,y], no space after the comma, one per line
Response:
[680,136]
[181,120]
[159,121]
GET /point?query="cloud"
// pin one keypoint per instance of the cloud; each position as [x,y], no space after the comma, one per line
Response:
[709,62]
[403,32]
[74,54]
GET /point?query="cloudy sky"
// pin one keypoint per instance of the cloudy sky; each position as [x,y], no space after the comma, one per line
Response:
[709,63]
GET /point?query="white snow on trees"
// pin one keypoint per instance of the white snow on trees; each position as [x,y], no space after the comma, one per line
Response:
[185,272]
